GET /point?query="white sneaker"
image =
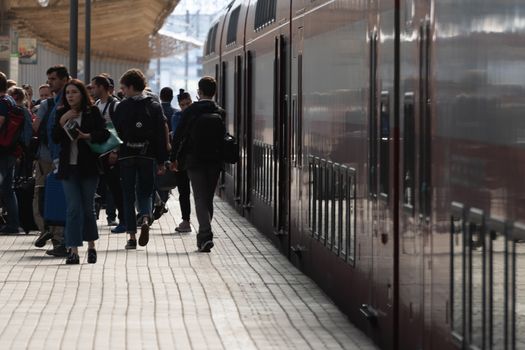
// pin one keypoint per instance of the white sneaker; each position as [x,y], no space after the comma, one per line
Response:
[184,226]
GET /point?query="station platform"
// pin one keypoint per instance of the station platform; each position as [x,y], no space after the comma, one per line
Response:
[243,295]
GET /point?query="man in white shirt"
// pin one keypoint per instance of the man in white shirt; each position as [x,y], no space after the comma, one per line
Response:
[107,104]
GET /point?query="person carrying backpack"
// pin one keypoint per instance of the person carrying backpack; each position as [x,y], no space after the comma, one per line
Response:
[140,124]
[110,180]
[10,129]
[198,148]
[57,78]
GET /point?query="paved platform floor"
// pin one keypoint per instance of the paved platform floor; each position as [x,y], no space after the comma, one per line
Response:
[244,295]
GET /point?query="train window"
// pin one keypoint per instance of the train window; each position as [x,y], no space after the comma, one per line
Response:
[330,167]
[336,213]
[322,201]
[517,318]
[409,151]
[315,209]
[484,285]
[318,197]
[231,36]
[265,13]
[384,145]
[425,125]
[476,278]
[372,122]
[351,213]
[223,86]
[343,220]
[311,187]
[331,206]
[457,271]
[208,42]
[262,170]
[214,38]
[498,283]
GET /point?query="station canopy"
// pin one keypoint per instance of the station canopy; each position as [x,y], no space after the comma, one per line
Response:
[120,29]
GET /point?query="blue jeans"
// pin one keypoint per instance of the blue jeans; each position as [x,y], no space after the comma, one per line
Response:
[7,169]
[81,222]
[138,176]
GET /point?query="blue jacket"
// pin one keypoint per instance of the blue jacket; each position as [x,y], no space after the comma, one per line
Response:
[54,148]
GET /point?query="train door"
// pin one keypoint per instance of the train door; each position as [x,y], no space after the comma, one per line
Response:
[245,164]
[281,139]
[382,168]
[298,244]
[415,230]
[237,127]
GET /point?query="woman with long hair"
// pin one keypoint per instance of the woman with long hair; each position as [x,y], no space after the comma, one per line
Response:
[78,167]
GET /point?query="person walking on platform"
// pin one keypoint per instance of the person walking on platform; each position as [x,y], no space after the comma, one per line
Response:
[25,166]
[57,77]
[141,125]
[7,164]
[79,121]
[183,182]
[166,96]
[107,105]
[199,140]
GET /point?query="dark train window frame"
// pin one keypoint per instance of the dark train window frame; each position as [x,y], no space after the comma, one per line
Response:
[476,244]
[233,23]
[409,153]
[488,230]
[516,236]
[457,237]
[332,206]
[211,39]
[265,14]
[497,228]
[425,122]
[384,144]
[372,116]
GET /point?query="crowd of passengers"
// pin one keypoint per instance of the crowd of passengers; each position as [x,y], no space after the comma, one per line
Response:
[60,133]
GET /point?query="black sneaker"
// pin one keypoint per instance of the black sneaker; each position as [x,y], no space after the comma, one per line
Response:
[206,247]
[132,244]
[43,238]
[158,211]
[72,259]
[144,232]
[92,256]
[58,251]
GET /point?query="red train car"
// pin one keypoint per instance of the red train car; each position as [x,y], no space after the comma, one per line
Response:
[382,150]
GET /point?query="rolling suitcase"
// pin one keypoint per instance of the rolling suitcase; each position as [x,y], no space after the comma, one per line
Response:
[54,202]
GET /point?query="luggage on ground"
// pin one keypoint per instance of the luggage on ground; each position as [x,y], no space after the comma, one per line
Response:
[54,201]
[24,188]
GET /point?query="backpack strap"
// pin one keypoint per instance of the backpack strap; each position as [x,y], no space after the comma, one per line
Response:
[112,103]
[108,103]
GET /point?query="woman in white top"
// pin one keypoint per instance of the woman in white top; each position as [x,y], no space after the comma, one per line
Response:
[78,166]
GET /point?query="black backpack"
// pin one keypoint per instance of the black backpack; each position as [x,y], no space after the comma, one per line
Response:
[141,130]
[231,149]
[207,137]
